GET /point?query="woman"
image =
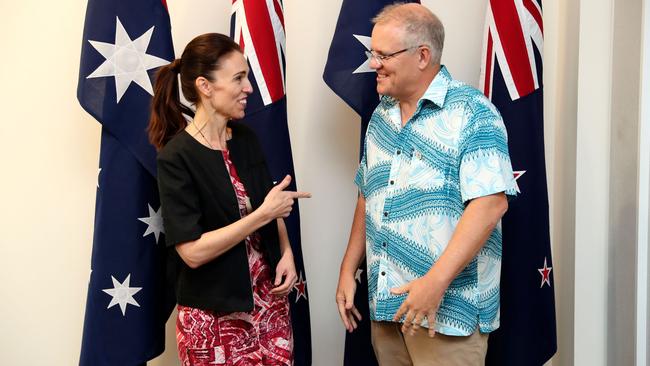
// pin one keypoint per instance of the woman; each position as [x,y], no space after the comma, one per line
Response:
[221,213]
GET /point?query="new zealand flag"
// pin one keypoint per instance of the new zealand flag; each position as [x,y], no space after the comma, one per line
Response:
[258,27]
[349,75]
[128,303]
[512,78]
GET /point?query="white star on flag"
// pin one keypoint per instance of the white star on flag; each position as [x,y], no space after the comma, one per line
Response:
[518,174]
[122,294]
[126,60]
[365,67]
[154,222]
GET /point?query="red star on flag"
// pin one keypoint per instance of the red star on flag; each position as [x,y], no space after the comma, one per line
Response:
[301,288]
[518,174]
[546,274]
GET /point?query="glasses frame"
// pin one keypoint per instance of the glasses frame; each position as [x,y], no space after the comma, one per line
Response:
[381,58]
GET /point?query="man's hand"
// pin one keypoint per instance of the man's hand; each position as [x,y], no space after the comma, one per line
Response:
[424,297]
[345,302]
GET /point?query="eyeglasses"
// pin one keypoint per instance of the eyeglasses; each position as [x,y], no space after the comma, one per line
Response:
[381,58]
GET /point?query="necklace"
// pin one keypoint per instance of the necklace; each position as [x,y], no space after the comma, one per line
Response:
[199,130]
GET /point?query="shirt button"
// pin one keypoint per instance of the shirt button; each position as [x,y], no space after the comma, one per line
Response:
[399,152]
[385,213]
[383,273]
[383,244]
[392,182]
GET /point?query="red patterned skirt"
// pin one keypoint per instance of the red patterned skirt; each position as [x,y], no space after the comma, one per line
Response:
[260,337]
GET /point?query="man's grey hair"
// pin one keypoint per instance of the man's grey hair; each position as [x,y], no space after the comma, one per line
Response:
[420,27]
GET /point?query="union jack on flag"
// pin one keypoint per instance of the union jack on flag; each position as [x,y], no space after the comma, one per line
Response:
[512,28]
[512,78]
[258,27]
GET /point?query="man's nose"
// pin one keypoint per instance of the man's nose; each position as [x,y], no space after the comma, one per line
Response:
[374,63]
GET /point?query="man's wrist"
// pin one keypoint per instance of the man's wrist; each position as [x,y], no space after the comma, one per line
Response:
[347,271]
[437,278]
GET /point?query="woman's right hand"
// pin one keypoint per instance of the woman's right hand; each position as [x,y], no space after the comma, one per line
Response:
[278,202]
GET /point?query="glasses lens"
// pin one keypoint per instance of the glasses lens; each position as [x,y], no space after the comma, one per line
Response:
[371,56]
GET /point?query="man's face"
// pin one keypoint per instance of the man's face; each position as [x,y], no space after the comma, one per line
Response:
[396,75]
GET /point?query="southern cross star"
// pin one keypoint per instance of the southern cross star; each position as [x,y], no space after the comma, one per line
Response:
[122,294]
[518,174]
[154,222]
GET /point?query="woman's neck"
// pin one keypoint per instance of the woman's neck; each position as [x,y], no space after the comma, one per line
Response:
[210,129]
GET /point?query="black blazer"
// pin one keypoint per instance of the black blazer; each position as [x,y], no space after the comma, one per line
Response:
[197,196]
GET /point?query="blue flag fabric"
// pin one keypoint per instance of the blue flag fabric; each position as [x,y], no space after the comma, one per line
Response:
[348,74]
[258,27]
[128,301]
[512,78]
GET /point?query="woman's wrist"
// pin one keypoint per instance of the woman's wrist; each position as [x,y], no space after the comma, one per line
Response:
[286,250]
[263,217]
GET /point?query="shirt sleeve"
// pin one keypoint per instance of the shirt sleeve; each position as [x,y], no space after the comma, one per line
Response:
[485,166]
[179,200]
[360,177]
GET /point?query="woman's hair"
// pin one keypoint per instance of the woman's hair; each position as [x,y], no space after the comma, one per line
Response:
[201,57]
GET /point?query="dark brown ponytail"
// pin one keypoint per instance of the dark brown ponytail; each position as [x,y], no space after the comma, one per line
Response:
[200,58]
[166,109]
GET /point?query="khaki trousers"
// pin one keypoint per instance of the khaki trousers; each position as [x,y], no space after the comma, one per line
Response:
[393,348]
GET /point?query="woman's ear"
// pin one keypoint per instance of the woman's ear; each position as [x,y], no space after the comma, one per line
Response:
[203,86]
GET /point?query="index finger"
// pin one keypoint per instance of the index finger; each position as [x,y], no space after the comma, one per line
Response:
[400,312]
[343,312]
[300,194]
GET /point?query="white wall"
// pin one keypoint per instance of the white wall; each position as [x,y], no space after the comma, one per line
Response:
[606,183]
[49,153]
[643,226]
[48,158]
[561,30]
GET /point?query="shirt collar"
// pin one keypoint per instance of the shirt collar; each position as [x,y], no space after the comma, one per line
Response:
[436,92]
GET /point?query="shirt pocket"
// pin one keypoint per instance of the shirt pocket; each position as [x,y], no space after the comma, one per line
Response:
[422,174]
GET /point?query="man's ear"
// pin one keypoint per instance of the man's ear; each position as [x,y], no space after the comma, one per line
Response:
[424,57]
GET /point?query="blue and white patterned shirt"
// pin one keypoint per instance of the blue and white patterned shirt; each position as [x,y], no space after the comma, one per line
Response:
[416,181]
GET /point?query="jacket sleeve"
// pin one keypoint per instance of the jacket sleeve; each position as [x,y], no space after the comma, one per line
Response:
[179,199]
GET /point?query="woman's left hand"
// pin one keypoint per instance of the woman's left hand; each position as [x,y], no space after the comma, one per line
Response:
[286,270]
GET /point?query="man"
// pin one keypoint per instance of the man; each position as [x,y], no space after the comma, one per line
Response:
[433,182]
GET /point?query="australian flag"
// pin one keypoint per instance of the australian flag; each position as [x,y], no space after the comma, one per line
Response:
[512,78]
[258,28]
[349,75]
[128,303]
[348,71]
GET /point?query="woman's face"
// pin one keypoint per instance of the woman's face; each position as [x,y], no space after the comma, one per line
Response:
[230,87]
